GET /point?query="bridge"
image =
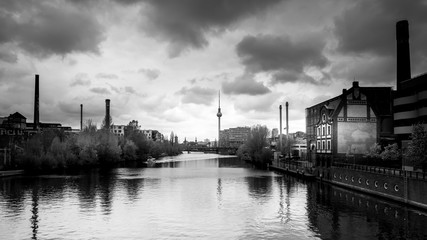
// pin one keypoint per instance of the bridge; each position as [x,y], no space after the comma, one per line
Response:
[229,150]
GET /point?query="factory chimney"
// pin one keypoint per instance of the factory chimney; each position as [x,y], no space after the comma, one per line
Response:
[403,55]
[107,114]
[36,104]
[81,117]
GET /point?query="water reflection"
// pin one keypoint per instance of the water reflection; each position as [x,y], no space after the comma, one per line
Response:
[337,213]
[35,211]
[215,198]
[219,192]
[259,186]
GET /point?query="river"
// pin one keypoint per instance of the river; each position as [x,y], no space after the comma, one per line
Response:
[196,196]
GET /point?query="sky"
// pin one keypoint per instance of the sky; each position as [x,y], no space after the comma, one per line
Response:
[163,62]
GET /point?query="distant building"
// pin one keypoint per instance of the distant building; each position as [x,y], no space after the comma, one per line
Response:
[234,137]
[153,135]
[15,129]
[14,121]
[275,133]
[118,130]
[298,145]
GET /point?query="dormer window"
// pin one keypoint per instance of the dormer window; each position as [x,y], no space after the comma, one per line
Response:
[324,117]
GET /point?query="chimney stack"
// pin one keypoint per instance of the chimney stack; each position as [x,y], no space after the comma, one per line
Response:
[81,117]
[107,113]
[36,104]
[403,55]
[280,131]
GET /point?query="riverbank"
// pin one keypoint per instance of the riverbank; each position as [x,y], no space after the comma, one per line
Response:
[294,172]
[11,173]
[397,185]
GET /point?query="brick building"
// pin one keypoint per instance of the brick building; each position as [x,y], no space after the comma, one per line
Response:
[349,124]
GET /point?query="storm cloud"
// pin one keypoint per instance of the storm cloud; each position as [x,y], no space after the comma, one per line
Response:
[43,28]
[367,29]
[280,56]
[185,24]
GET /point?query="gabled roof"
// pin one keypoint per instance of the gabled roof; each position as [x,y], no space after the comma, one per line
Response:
[17,115]
[380,99]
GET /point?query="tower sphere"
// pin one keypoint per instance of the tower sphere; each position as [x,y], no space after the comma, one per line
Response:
[219,114]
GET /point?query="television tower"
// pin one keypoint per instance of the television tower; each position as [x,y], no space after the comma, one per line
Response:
[219,115]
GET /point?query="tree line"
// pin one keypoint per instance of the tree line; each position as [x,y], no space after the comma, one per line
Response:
[92,147]
[256,149]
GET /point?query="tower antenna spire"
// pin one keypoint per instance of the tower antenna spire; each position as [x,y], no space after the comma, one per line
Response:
[219,115]
[219,98]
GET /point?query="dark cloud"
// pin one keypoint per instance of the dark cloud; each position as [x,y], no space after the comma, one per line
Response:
[245,84]
[367,70]
[107,76]
[151,74]
[184,24]
[368,28]
[283,58]
[100,90]
[197,95]
[81,79]
[43,28]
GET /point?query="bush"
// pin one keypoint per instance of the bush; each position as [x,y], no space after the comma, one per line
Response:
[129,151]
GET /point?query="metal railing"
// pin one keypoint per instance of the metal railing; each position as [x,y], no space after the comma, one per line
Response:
[300,167]
[382,170]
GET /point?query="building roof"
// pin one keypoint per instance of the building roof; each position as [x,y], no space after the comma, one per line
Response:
[419,80]
[380,99]
[17,115]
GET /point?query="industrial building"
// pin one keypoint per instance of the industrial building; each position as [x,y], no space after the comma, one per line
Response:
[347,125]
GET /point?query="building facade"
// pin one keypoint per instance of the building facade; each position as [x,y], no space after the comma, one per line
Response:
[153,135]
[234,137]
[349,124]
[118,130]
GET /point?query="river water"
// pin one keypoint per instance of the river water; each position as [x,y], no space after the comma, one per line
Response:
[196,196]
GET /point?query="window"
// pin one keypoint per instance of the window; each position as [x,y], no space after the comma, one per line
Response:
[323,130]
[329,144]
[324,117]
[329,130]
[323,145]
[318,144]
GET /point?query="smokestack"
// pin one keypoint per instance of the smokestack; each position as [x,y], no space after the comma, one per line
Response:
[280,136]
[36,103]
[403,55]
[81,117]
[107,113]
[287,130]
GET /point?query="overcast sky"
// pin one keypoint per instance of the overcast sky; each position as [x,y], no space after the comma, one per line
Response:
[162,62]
